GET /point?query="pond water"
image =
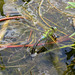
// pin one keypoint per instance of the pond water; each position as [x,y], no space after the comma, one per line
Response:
[55,58]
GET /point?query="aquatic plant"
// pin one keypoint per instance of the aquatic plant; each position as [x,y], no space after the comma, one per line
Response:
[22,33]
[71,5]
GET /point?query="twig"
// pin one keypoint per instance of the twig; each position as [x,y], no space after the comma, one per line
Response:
[14,17]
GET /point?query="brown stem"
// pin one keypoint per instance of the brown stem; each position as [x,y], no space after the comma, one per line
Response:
[14,17]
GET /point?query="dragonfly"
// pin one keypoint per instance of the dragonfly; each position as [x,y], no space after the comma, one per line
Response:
[36,25]
[50,33]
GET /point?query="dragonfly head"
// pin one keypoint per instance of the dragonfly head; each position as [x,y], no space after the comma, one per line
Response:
[54,29]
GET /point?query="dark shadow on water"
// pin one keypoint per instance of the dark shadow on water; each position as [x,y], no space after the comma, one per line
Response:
[26,0]
[70,62]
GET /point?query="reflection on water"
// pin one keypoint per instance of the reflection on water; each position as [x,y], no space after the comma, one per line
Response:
[18,61]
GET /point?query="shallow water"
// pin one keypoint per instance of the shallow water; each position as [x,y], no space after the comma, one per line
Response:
[55,61]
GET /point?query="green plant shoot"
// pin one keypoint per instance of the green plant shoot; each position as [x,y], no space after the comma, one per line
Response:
[72,5]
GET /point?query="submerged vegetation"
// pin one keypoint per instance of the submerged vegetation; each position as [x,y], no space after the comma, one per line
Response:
[42,27]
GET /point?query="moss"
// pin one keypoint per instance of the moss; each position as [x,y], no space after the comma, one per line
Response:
[1,7]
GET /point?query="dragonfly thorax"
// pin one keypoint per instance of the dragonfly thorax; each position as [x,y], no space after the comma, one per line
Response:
[50,32]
